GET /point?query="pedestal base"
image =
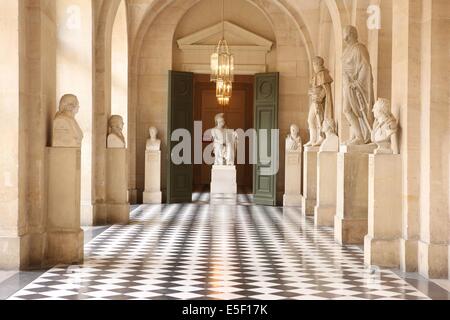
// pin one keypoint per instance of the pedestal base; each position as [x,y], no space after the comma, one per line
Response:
[324,216]
[381,252]
[64,247]
[433,260]
[325,209]
[10,253]
[152,197]
[223,180]
[349,231]
[117,206]
[64,235]
[118,213]
[309,200]
[408,255]
[292,200]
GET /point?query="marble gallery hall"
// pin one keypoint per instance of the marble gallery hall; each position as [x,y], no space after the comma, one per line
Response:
[224,149]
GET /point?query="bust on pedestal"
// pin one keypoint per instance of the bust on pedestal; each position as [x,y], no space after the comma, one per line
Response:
[325,209]
[382,244]
[117,204]
[293,169]
[223,175]
[64,234]
[152,193]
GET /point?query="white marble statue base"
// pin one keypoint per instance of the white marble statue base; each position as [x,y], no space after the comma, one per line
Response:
[223,180]
[325,209]
[382,243]
[293,179]
[117,205]
[152,193]
[309,180]
[64,234]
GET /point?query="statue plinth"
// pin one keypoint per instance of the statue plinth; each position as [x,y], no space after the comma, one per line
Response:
[382,243]
[309,180]
[64,234]
[223,180]
[350,222]
[117,204]
[152,193]
[325,209]
[293,179]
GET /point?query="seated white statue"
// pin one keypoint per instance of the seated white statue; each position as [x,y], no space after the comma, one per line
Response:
[331,142]
[225,142]
[385,127]
[66,131]
[153,144]
[293,140]
[116,140]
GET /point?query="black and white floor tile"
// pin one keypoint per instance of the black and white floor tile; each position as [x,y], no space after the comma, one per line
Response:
[221,250]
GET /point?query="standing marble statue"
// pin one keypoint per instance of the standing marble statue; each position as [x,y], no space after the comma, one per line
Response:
[293,140]
[153,144]
[357,88]
[116,139]
[385,127]
[66,131]
[321,102]
[224,142]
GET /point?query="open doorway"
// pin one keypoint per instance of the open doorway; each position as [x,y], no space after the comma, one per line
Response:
[238,115]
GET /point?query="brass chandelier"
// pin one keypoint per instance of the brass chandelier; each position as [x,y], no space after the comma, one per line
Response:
[222,67]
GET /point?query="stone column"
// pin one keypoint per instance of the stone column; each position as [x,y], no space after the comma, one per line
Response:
[64,234]
[382,244]
[309,180]
[406,100]
[325,209]
[293,179]
[350,223]
[10,241]
[435,140]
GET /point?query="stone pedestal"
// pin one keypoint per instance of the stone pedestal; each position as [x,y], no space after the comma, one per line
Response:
[223,180]
[117,205]
[351,220]
[325,209]
[152,193]
[293,179]
[64,233]
[309,180]
[382,243]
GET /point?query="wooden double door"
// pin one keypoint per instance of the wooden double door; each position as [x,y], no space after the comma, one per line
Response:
[254,105]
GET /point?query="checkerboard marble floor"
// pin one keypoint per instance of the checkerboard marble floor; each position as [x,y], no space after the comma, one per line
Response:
[218,250]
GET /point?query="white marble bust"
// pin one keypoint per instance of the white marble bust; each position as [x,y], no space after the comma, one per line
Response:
[385,127]
[116,140]
[331,143]
[224,142]
[66,131]
[153,144]
[293,140]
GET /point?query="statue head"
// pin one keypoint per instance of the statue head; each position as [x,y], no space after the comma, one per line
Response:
[220,120]
[116,123]
[382,109]
[69,104]
[350,34]
[318,64]
[294,130]
[153,133]
[329,127]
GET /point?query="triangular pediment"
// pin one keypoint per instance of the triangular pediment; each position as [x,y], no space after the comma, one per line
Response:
[237,37]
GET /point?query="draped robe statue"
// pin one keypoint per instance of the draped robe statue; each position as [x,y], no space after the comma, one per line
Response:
[66,131]
[357,88]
